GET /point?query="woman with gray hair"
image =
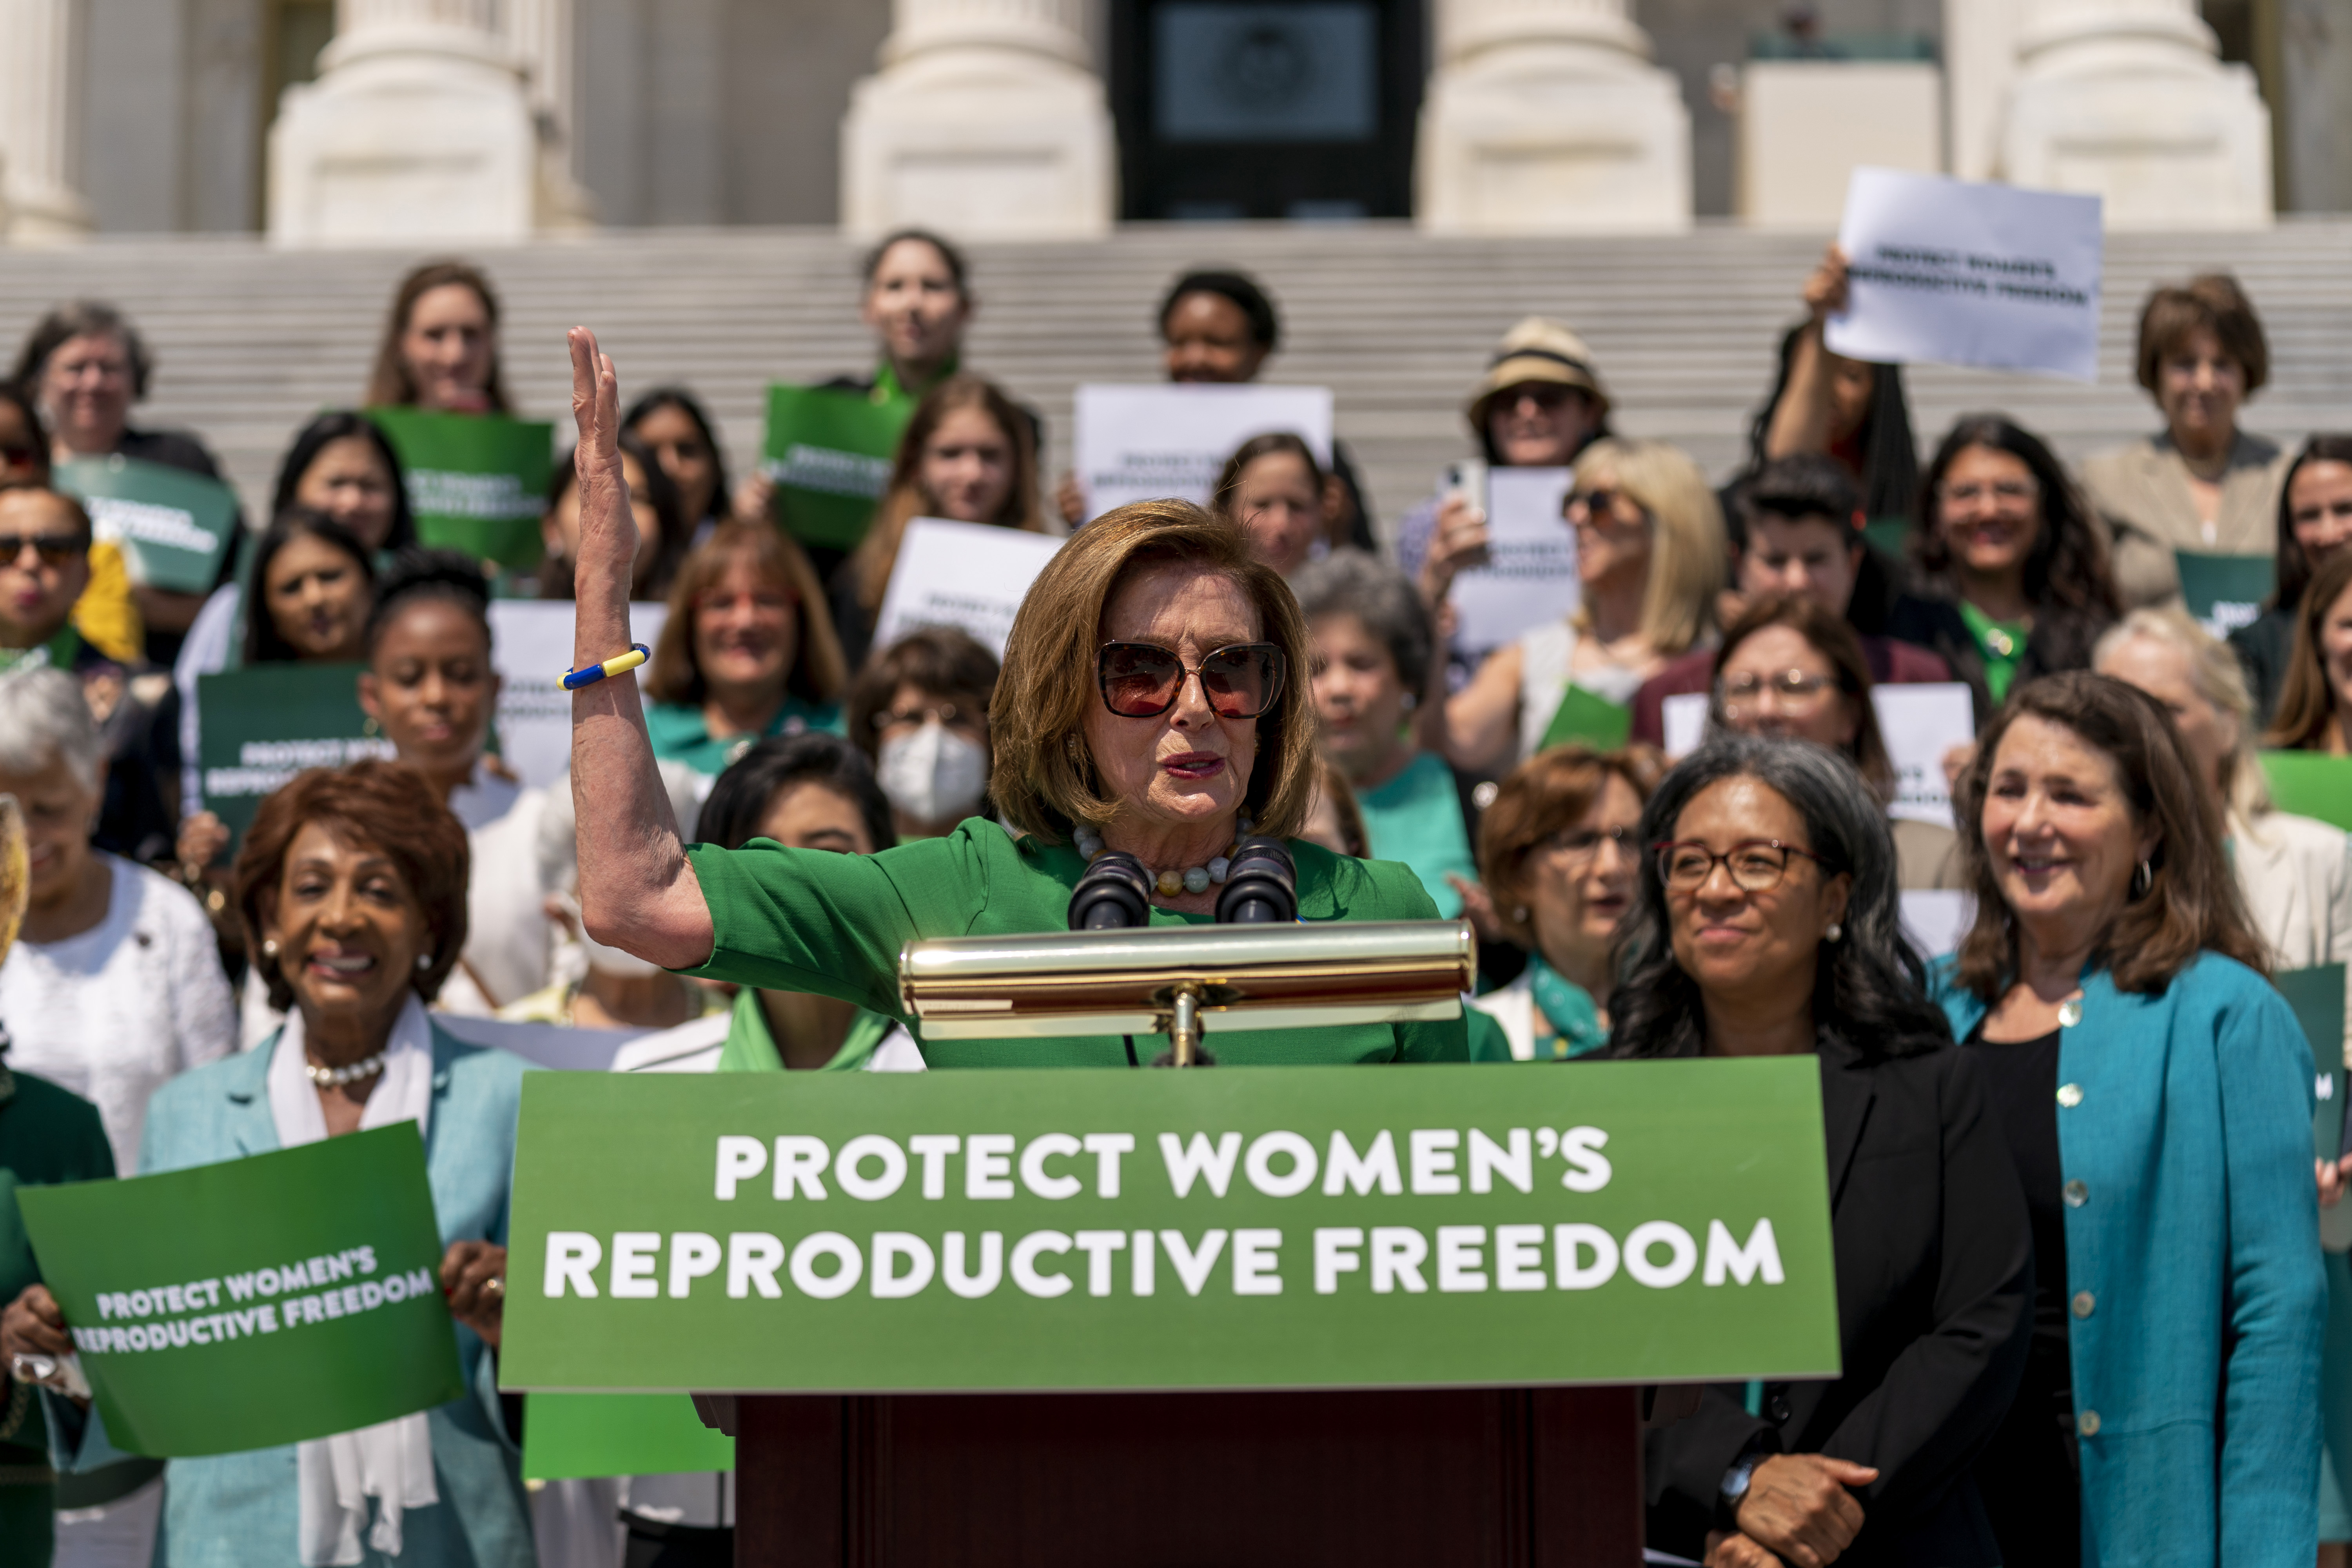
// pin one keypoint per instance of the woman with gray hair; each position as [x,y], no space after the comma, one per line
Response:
[1764,923]
[1374,649]
[116,983]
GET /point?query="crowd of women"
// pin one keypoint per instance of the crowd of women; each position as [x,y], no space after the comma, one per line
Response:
[2081,1288]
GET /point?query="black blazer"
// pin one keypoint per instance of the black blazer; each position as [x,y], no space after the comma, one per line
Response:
[2061,638]
[1935,1287]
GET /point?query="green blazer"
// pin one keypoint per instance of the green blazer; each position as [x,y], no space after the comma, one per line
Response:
[237,1511]
[807,919]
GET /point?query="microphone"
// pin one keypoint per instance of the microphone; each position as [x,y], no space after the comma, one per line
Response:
[1115,893]
[1261,885]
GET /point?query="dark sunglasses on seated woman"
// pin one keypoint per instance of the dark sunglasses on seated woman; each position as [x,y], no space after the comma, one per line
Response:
[1142,681]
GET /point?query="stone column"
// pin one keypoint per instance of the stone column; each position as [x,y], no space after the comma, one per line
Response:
[1547,117]
[986,119]
[40,114]
[418,128]
[2128,99]
[539,32]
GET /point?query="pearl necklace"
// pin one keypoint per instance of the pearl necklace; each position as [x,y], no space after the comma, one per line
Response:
[1167,884]
[335,1077]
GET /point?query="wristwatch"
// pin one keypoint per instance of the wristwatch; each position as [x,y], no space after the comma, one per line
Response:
[1734,1490]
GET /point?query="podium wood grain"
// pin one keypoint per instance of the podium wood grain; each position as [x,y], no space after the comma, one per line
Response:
[1545,1479]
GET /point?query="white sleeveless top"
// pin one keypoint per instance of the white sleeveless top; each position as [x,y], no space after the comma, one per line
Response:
[1545,656]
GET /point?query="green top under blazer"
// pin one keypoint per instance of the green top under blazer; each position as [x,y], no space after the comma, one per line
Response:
[809,919]
[2193,1278]
[237,1511]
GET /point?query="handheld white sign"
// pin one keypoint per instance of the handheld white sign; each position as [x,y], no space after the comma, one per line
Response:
[1943,272]
[1919,724]
[1936,918]
[1144,443]
[530,641]
[1683,717]
[1529,579]
[964,574]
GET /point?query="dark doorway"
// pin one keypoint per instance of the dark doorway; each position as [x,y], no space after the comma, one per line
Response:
[1265,108]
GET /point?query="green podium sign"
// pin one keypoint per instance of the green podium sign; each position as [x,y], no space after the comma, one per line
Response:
[258,1301]
[173,525]
[476,482]
[1265,1227]
[829,452]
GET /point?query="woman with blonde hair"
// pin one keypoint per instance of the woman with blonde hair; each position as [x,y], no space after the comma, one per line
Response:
[968,454]
[1649,561]
[748,651]
[1152,707]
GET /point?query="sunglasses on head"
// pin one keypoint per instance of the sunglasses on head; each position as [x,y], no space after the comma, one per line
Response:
[1143,681]
[53,549]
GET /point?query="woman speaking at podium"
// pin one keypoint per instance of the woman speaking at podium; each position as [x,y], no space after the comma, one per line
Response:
[1153,702]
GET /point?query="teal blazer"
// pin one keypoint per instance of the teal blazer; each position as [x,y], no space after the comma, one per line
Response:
[237,1511]
[2197,1302]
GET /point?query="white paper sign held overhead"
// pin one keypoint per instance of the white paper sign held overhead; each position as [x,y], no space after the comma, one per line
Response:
[1944,271]
[1148,442]
[1529,579]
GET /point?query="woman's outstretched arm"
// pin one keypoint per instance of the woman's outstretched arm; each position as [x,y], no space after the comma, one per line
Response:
[637,890]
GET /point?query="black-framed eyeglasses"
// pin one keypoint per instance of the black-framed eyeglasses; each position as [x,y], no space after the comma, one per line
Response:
[53,549]
[1757,865]
[1143,681]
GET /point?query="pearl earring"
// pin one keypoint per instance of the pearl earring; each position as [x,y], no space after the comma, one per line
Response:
[1835,931]
[424,961]
[270,947]
[1519,914]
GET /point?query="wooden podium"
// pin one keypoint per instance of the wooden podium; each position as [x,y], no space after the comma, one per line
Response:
[1542,1478]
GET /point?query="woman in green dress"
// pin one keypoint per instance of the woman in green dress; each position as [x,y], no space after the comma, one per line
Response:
[1153,700]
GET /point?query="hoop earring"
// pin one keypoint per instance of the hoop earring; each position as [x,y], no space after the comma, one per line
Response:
[2143,879]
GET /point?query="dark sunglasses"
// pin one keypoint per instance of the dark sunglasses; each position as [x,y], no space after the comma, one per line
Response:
[1142,681]
[55,548]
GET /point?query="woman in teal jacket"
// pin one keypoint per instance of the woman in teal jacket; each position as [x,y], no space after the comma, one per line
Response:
[351,885]
[2156,1094]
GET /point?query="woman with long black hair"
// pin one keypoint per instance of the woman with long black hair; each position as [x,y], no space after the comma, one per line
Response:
[1765,923]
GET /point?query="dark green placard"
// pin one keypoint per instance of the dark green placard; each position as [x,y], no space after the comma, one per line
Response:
[263,724]
[829,452]
[2225,592]
[2317,994]
[2311,784]
[1619,1222]
[174,526]
[573,1434]
[1587,719]
[476,482]
[296,1294]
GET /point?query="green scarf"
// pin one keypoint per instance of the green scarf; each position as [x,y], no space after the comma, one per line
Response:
[1576,1028]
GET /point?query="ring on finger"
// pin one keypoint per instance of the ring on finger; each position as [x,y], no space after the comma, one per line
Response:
[494,1287]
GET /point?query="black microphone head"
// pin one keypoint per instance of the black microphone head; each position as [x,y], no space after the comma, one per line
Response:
[1261,884]
[1115,893]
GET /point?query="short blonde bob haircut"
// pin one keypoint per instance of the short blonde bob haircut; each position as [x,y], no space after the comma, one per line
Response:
[2219,679]
[1043,781]
[1688,557]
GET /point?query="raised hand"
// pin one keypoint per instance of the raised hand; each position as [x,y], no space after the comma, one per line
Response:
[608,525]
[1825,290]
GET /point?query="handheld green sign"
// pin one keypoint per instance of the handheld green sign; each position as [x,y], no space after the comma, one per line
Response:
[476,482]
[2225,592]
[2311,784]
[1269,1227]
[829,452]
[1589,719]
[174,526]
[269,1300]
[263,724]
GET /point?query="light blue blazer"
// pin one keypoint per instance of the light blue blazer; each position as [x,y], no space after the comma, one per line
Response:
[2196,1299]
[237,1511]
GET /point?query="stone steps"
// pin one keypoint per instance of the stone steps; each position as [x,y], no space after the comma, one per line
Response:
[248,341]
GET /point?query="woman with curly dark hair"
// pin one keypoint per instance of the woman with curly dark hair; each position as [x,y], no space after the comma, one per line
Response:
[2012,576]
[1765,923]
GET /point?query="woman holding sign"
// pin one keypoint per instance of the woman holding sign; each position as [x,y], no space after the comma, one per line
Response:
[1152,701]
[1765,923]
[2155,1096]
[352,887]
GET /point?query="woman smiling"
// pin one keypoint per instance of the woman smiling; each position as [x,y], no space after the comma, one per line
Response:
[1149,705]
[2155,1096]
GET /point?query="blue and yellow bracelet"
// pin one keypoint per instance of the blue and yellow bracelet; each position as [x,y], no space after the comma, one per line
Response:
[620,664]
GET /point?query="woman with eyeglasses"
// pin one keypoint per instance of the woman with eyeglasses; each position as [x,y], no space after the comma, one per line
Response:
[1649,561]
[2155,1096]
[1788,669]
[748,651]
[1765,924]
[2011,574]
[2314,524]
[1557,850]
[1153,702]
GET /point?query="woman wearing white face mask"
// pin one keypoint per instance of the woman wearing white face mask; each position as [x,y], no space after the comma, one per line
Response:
[919,712]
